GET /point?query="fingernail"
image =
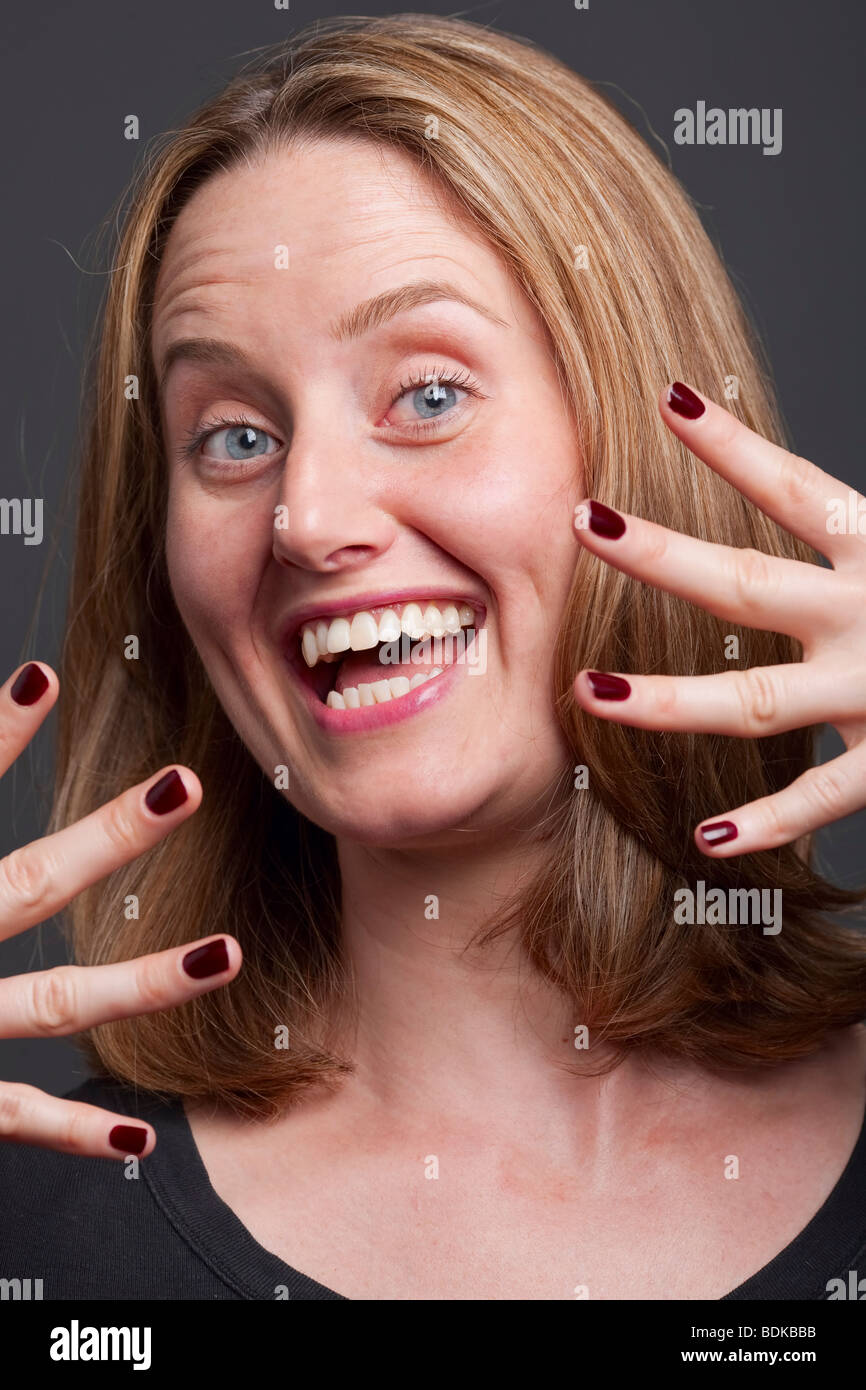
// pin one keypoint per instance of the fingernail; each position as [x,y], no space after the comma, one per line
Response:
[210,959]
[29,685]
[684,401]
[605,687]
[128,1138]
[166,794]
[604,521]
[719,832]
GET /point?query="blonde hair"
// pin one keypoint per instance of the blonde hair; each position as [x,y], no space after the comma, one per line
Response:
[542,165]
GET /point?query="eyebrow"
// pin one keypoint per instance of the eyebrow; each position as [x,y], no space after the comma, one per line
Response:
[370,314]
[382,307]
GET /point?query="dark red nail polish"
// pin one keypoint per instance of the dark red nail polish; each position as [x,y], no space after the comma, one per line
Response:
[166,794]
[210,959]
[719,832]
[29,685]
[128,1138]
[604,521]
[685,402]
[605,687]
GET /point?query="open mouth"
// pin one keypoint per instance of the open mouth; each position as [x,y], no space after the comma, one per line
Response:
[377,655]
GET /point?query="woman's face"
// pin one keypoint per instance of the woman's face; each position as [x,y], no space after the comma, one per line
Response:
[336,459]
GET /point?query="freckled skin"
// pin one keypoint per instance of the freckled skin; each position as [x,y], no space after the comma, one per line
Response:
[485,507]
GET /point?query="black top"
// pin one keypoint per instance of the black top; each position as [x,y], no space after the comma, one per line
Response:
[90,1232]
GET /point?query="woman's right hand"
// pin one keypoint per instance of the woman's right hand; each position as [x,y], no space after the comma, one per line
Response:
[38,880]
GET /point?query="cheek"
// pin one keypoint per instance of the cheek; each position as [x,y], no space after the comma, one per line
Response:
[501,502]
[215,551]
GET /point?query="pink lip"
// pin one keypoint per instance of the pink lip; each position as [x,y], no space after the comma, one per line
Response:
[333,608]
[347,721]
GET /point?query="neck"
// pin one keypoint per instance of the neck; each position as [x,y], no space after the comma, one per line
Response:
[472,1046]
[444,1029]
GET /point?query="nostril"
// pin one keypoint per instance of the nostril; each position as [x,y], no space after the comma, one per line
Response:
[349,555]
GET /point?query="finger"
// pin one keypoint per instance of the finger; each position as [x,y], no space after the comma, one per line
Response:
[29,1116]
[818,797]
[795,492]
[71,998]
[743,704]
[741,586]
[25,700]
[40,878]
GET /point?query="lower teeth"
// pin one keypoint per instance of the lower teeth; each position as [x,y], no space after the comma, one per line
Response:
[379,692]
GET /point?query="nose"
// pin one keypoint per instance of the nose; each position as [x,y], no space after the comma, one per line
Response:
[328,518]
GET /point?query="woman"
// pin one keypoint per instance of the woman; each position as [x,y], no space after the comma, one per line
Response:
[489,967]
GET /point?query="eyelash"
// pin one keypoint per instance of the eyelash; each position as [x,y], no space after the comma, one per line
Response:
[444,377]
[194,439]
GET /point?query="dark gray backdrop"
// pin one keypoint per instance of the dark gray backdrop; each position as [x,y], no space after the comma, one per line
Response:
[789,227]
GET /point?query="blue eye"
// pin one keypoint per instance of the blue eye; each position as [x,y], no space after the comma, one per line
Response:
[242,441]
[240,438]
[430,395]
[433,399]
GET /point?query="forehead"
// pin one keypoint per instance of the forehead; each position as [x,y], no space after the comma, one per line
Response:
[335,216]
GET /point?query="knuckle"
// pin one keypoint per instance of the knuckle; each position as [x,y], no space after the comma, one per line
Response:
[752,577]
[151,984]
[121,830]
[727,430]
[777,820]
[75,1126]
[826,792]
[798,479]
[655,546]
[758,697]
[14,1100]
[8,744]
[25,877]
[54,1000]
[664,696]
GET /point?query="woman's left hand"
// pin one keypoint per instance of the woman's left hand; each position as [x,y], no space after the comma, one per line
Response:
[824,609]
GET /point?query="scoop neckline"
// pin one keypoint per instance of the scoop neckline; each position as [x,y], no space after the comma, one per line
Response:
[181,1186]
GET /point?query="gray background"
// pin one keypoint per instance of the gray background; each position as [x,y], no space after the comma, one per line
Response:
[788,226]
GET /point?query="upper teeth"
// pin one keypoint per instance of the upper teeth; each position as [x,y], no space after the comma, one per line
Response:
[324,641]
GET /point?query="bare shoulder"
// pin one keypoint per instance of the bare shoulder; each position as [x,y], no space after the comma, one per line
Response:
[797,1123]
[822,1094]
[829,1082]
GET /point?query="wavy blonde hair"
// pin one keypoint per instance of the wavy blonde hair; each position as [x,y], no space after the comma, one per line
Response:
[542,165]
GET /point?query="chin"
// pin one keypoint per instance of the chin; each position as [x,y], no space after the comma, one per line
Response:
[403,811]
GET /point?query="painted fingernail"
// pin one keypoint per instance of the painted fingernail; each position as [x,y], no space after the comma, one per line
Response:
[128,1138]
[605,687]
[29,685]
[684,401]
[604,521]
[719,832]
[210,959]
[166,794]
